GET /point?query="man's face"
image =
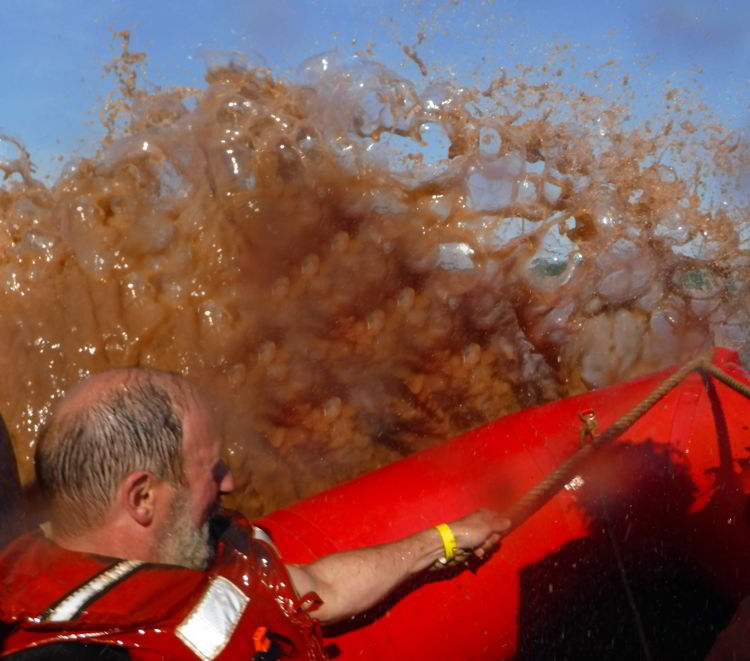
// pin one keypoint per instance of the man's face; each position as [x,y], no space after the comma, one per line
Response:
[206,474]
[184,535]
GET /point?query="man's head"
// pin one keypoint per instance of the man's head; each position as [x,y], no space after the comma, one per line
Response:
[134,453]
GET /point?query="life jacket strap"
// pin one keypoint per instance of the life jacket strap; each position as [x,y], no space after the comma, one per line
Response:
[75,602]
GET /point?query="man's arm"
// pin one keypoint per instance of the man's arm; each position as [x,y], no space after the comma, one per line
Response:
[352,581]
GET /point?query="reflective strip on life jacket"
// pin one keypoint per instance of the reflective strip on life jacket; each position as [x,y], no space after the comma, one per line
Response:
[72,605]
[263,536]
[210,625]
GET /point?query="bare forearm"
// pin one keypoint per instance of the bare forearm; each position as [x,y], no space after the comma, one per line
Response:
[353,581]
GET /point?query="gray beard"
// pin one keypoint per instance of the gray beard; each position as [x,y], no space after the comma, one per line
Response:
[180,542]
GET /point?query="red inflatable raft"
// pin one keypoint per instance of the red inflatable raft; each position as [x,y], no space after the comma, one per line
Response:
[645,553]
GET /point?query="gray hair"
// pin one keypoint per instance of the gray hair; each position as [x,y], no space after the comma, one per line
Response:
[82,456]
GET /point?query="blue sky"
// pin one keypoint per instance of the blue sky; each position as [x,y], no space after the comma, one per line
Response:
[52,52]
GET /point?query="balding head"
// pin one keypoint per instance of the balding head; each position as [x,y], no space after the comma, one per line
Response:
[107,427]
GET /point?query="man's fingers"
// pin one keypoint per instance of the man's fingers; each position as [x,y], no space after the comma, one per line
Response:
[488,544]
[480,530]
[495,521]
[491,541]
[503,525]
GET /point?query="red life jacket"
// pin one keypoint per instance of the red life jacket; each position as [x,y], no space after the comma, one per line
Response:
[244,607]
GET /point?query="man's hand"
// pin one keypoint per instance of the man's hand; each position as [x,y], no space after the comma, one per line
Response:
[479,531]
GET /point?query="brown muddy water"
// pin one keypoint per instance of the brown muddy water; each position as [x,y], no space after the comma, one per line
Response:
[352,291]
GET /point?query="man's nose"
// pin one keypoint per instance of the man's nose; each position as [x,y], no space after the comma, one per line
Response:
[223,477]
[227,483]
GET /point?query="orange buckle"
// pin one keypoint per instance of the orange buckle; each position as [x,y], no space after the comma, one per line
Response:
[260,640]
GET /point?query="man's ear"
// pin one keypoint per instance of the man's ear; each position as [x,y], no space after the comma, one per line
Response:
[138,496]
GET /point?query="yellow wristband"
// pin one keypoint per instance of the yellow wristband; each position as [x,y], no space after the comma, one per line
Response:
[449,541]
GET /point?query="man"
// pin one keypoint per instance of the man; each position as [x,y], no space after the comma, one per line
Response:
[130,463]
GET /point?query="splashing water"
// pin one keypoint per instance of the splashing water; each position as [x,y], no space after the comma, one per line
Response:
[359,267]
